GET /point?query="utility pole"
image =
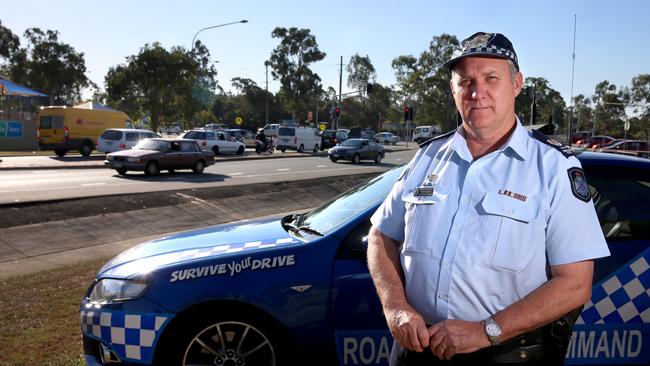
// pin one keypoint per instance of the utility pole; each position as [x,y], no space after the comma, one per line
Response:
[573,66]
[266,113]
[340,90]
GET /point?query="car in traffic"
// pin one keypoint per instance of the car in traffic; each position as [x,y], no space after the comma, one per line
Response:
[331,138]
[356,150]
[116,139]
[628,147]
[387,138]
[295,289]
[244,136]
[595,142]
[298,138]
[219,142]
[156,154]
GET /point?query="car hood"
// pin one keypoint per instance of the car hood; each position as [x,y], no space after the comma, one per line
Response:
[214,241]
[134,152]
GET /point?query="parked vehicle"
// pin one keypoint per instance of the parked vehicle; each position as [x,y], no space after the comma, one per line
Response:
[63,128]
[271,129]
[171,129]
[330,138]
[218,141]
[356,150]
[116,139]
[154,155]
[579,135]
[298,138]
[387,138]
[628,147]
[423,133]
[215,127]
[595,142]
[360,133]
[245,136]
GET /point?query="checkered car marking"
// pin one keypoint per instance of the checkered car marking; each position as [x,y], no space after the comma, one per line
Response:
[130,336]
[233,248]
[623,297]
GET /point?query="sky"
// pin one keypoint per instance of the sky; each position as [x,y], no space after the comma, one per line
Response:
[611,36]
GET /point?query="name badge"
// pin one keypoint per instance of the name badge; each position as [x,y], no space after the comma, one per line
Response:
[423,191]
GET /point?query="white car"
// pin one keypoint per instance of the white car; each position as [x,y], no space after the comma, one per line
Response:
[217,141]
[116,139]
[386,138]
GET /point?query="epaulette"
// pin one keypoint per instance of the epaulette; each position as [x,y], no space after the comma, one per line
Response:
[445,135]
[564,149]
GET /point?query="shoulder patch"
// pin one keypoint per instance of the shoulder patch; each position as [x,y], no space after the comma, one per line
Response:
[443,136]
[564,149]
[579,185]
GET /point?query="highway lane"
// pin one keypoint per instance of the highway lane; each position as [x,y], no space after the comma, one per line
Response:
[43,185]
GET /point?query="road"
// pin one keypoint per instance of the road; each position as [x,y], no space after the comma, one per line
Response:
[42,185]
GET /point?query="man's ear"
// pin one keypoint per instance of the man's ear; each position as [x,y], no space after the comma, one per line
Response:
[519,83]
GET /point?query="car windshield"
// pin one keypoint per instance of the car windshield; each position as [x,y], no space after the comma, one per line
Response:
[351,143]
[148,144]
[345,207]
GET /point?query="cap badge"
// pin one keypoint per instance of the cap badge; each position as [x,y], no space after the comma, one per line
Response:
[480,40]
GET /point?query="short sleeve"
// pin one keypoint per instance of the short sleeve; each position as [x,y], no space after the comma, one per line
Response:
[389,217]
[573,232]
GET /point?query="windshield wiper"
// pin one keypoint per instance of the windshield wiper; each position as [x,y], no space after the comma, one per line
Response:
[309,230]
[291,227]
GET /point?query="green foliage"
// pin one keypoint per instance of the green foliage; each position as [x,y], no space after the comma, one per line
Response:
[550,104]
[47,65]
[360,73]
[289,62]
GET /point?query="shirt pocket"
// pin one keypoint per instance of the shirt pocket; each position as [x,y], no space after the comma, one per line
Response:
[419,209]
[508,232]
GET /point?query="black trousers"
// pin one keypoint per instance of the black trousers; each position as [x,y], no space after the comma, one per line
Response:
[527,349]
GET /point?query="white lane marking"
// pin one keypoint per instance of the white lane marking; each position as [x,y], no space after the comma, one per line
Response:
[92,184]
[235,173]
[45,171]
[314,171]
[283,169]
[321,166]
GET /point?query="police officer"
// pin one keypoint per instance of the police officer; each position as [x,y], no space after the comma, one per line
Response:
[459,250]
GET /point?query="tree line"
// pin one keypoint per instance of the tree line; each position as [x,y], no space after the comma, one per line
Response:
[180,85]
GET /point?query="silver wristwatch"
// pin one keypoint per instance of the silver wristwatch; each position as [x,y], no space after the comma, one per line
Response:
[493,331]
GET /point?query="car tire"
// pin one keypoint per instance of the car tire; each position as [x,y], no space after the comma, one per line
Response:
[121,171]
[151,169]
[60,152]
[356,159]
[240,151]
[283,150]
[171,171]
[378,158]
[250,341]
[215,149]
[198,167]
[86,149]
[334,160]
[315,149]
[394,143]
[258,148]
[301,148]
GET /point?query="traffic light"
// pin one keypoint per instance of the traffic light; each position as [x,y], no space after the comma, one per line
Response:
[337,112]
[407,114]
[411,114]
[369,88]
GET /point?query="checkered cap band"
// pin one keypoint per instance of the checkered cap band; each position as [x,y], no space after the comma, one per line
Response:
[623,297]
[486,45]
[130,336]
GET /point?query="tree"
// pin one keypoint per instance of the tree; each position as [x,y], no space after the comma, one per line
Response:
[609,114]
[360,73]
[640,94]
[289,62]
[165,85]
[550,104]
[9,42]
[47,65]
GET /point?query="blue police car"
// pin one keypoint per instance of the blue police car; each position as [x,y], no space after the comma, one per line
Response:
[296,289]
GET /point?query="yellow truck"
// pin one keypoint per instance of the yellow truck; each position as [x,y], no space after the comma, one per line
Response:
[63,128]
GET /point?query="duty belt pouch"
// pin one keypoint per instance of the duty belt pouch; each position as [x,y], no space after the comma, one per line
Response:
[558,334]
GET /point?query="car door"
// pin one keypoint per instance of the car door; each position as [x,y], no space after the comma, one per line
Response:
[225,145]
[360,331]
[189,154]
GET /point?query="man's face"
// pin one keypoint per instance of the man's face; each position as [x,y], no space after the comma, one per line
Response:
[485,92]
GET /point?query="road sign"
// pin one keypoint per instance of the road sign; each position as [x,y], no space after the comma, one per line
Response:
[239,121]
[626,126]
[322,127]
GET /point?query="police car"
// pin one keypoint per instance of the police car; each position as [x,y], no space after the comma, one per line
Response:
[296,289]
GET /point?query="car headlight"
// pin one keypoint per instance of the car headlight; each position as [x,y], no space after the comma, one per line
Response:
[109,290]
[133,160]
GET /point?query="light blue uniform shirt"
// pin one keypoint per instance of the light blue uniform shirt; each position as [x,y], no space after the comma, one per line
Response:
[480,241]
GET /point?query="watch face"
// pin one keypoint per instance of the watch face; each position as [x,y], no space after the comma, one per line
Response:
[493,330]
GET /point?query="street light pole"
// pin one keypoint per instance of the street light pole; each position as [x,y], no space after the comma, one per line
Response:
[214,26]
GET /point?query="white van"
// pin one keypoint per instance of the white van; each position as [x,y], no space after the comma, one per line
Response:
[298,138]
[116,139]
[423,133]
[271,129]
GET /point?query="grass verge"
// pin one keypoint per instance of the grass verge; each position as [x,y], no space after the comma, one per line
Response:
[39,316]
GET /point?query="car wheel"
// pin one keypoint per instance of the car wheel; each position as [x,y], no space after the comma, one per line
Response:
[301,148]
[394,142]
[215,148]
[85,150]
[121,171]
[240,151]
[151,169]
[283,150]
[258,148]
[60,152]
[171,171]
[356,159]
[198,167]
[315,149]
[378,158]
[213,340]
[334,160]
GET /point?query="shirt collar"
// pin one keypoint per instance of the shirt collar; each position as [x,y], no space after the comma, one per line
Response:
[516,143]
